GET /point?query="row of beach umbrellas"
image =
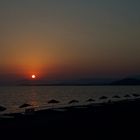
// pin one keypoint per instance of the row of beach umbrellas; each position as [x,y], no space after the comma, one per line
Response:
[89,100]
[73,101]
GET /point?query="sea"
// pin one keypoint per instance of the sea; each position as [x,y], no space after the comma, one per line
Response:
[38,96]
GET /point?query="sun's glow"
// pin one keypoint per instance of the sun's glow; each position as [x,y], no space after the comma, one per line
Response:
[33,76]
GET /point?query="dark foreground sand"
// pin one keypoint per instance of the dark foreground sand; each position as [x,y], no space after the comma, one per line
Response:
[117,117]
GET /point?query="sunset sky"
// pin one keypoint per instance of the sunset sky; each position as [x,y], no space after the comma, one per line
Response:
[69,38]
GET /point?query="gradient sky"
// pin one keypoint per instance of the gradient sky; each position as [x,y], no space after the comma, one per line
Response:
[69,38]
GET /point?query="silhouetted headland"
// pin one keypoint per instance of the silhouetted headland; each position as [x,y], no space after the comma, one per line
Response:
[127,81]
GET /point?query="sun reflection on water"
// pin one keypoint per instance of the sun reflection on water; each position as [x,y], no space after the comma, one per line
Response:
[33,100]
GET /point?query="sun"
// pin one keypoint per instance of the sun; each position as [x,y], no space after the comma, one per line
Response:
[33,76]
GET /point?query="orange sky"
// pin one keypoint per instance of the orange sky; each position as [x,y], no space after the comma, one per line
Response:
[51,38]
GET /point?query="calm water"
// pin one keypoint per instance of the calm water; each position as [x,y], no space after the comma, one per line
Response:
[13,97]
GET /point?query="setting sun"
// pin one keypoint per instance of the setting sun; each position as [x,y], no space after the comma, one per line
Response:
[33,76]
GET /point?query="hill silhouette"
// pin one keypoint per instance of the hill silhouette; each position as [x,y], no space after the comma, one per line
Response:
[127,81]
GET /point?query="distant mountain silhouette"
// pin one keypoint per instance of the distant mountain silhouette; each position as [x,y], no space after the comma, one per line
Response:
[127,81]
[79,82]
[27,82]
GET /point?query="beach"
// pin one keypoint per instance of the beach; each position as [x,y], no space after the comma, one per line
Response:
[67,110]
[112,119]
[119,115]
